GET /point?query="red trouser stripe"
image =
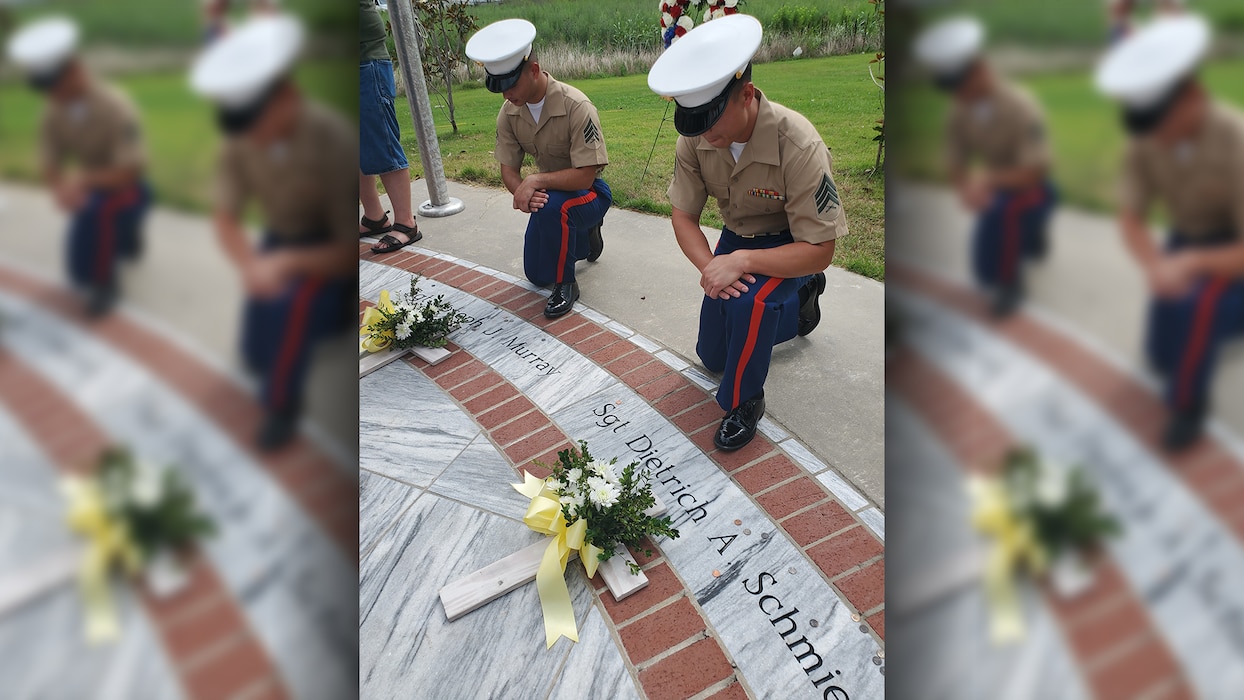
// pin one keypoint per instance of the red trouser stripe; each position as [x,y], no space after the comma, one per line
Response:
[1195,352]
[561,257]
[1014,234]
[753,330]
[295,331]
[106,230]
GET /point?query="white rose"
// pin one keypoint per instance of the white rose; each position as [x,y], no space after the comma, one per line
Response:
[719,13]
[694,3]
[708,13]
[667,20]
[685,22]
[731,3]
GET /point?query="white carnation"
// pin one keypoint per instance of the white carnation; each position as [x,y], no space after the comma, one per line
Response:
[146,486]
[1052,487]
[685,22]
[602,493]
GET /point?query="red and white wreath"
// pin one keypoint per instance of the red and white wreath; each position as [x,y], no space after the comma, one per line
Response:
[676,15]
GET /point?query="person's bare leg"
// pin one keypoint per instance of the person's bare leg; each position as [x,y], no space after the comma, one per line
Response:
[372,208]
[397,184]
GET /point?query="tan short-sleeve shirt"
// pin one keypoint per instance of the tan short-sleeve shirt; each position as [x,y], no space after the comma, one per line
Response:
[1200,182]
[98,130]
[783,179]
[568,136]
[1004,130]
[306,185]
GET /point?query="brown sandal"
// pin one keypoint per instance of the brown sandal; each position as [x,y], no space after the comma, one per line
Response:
[375,227]
[388,244]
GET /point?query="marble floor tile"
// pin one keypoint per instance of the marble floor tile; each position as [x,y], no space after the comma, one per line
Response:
[43,653]
[381,502]
[405,641]
[594,668]
[409,428]
[480,477]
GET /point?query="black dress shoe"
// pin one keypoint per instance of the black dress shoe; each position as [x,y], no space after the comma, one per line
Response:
[100,300]
[739,426]
[1184,429]
[278,430]
[810,303]
[596,244]
[1007,300]
[562,300]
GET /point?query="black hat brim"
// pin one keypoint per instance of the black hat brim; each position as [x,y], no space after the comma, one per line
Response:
[693,121]
[501,83]
[1139,122]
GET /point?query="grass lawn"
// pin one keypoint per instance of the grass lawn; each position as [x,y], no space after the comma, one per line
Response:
[834,92]
[137,23]
[1072,22]
[622,22]
[179,127]
[1084,129]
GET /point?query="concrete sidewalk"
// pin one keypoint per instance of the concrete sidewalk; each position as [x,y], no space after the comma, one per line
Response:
[185,286]
[827,389]
[1088,285]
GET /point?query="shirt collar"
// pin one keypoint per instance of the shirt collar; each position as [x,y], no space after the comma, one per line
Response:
[762,147]
[552,107]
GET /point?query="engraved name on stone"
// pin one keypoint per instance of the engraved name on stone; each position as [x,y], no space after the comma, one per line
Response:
[786,625]
[645,453]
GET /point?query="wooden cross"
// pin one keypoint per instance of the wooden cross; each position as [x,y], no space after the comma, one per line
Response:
[504,575]
[371,361]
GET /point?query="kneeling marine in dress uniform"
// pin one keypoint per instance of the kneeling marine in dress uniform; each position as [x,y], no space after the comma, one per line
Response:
[770,172]
[558,126]
[96,128]
[1186,151]
[299,162]
[1001,128]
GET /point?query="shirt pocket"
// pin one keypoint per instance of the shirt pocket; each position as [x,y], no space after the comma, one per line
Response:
[719,189]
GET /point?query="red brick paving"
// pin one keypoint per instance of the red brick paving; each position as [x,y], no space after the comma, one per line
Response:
[686,672]
[668,627]
[845,550]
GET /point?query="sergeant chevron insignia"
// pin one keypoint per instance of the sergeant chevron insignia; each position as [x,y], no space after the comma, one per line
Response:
[826,197]
[591,134]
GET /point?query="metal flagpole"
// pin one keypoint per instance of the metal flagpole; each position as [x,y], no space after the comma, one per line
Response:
[406,41]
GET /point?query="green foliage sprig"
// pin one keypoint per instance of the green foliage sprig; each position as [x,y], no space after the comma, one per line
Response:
[613,502]
[156,504]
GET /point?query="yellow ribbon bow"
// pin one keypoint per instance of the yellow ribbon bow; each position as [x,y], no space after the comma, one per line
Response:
[108,541]
[544,515]
[375,342]
[1015,545]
